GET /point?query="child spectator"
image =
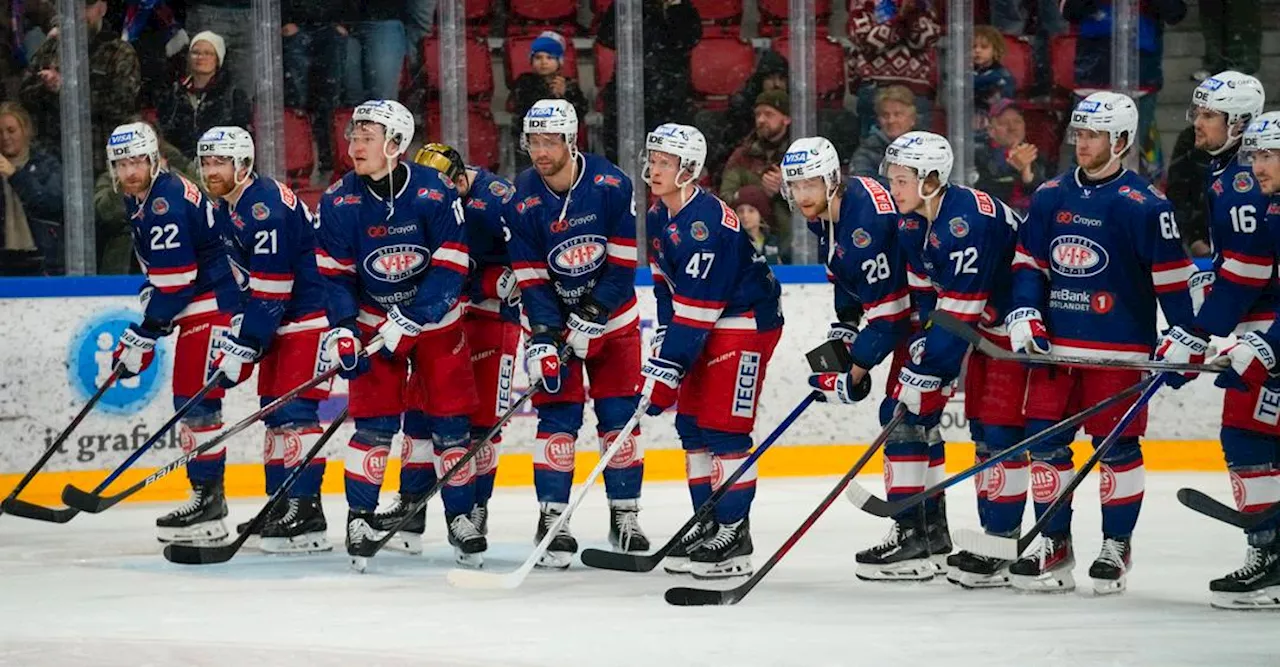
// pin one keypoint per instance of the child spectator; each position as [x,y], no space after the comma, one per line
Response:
[755,210]
[546,56]
[992,81]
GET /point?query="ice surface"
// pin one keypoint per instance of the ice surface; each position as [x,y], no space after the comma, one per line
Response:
[96,591]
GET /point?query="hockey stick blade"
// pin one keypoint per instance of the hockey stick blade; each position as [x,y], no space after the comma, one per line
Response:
[28,510]
[1203,504]
[869,503]
[190,554]
[509,580]
[971,336]
[694,596]
[625,562]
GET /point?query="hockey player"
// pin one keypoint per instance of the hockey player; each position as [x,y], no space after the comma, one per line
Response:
[393,243]
[961,241]
[281,327]
[1099,247]
[573,249]
[493,334]
[189,286]
[719,320]
[1253,458]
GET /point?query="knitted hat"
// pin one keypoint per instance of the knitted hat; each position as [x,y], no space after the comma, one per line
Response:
[550,43]
[777,99]
[756,197]
[215,40]
[1004,105]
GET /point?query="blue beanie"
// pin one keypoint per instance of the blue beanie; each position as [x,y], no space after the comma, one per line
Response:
[549,43]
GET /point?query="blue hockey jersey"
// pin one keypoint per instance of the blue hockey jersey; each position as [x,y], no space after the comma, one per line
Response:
[410,251]
[490,203]
[1243,294]
[707,275]
[184,252]
[276,245]
[867,264]
[567,247]
[1095,258]
[966,253]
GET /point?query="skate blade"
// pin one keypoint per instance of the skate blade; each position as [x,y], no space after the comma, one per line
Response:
[198,534]
[973,581]
[473,561]
[1109,586]
[1047,582]
[359,564]
[939,563]
[307,543]
[555,560]
[405,543]
[734,567]
[908,570]
[677,565]
[1267,599]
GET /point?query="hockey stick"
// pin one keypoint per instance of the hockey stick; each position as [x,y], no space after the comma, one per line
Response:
[1009,548]
[17,507]
[40,513]
[489,580]
[864,500]
[190,554]
[690,597]
[1213,509]
[95,503]
[971,336]
[625,562]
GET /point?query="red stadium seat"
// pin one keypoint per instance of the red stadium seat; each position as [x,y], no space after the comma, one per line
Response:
[774,13]
[720,67]
[151,115]
[720,18]
[479,67]
[605,60]
[523,14]
[478,11]
[1020,62]
[299,151]
[483,145]
[938,121]
[341,161]
[515,58]
[829,61]
[1062,60]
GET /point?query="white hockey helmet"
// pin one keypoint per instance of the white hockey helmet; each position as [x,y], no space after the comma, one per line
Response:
[1113,113]
[230,142]
[395,119]
[133,140]
[683,141]
[551,117]
[810,157]
[1263,134]
[1237,96]
[925,153]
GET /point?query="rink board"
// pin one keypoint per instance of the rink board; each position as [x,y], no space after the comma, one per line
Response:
[58,344]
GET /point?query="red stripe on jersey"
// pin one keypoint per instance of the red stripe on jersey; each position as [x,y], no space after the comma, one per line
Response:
[1101,345]
[698,303]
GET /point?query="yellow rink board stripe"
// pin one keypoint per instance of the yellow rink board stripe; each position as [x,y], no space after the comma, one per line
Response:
[516,469]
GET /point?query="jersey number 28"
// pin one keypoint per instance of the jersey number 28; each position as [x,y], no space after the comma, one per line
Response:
[877,269]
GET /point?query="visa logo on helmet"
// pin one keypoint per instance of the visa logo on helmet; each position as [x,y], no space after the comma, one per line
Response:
[121,138]
[543,112]
[795,157]
[1089,106]
[1212,83]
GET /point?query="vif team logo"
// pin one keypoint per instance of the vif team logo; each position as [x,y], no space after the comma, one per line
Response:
[89,363]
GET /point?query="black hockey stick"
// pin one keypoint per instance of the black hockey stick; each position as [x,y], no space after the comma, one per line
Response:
[690,597]
[864,500]
[625,562]
[1213,509]
[1008,548]
[17,507]
[190,554]
[40,513]
[971,336]
[95,502]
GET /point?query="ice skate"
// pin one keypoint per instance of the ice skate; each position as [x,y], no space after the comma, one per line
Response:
[560,552]
[480,518]
[468,544]
[903,555]
[1047,569]
[970,570]
[726,553]
[624,527]
[362,538]
[1111,567]
[1256,585]
[197,521]
[677,560]
[409,538]
[302,529]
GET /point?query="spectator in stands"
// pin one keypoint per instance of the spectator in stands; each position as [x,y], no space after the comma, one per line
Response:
[114,235]
[758,158]
[894,45]
[992,81]
[202,99]
[1092,20]
[1008,166]
[895,116]
[546,57]
[376,51]
[1232,31]
[233,20]
[313,46]
[155,31]
[1188,174]
[36,17]
[30,200]
[671,29]
[113,86]
[755,210]
[724,130]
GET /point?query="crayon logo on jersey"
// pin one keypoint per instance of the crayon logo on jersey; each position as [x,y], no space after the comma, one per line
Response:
[89,363]
[579,255]
[959,228]
[395,263]
[698,230]
[1068,218]
[260,211]
[1243,182]
[744,389]
[160,206]
[1077,256]
[861,238]
[383,231]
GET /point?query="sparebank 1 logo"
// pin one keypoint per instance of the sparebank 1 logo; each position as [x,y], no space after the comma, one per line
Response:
[89,363]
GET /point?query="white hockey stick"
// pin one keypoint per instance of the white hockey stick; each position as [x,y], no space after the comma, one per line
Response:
[492,580]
